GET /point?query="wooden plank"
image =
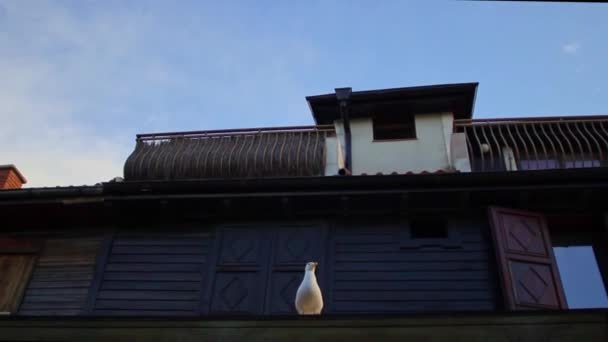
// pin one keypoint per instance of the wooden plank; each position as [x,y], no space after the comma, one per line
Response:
[383,248]
[371,239]
[66,263]
[469,326]
[144,313]
[40,269]
[451,255]
[144,241]
[415,275]
[411,266]
[138,267]
[57,284]
[411,285]
[51,312]
[57,292]
[149,295]
[410,296]
[146,305]
[194,250]
[63,276]
[158,258]
[72,305]
[67,297]
[153,276]
[403,307]
[156,285]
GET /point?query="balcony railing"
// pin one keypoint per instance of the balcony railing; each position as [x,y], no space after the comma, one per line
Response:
[236,153]
[536,143]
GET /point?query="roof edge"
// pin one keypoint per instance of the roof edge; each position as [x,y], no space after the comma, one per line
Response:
[318,104]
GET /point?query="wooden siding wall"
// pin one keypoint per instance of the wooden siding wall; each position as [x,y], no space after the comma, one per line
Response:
[260,266]
[62,277]
[373,273]
[255,269]
[154,275]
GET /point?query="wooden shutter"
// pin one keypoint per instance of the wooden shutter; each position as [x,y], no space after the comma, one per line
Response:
[294,245]
[15,271]
[241,272]
[17,258]
[527,268]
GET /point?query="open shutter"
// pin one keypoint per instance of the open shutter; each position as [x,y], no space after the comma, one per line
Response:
[17,258]
[528,272]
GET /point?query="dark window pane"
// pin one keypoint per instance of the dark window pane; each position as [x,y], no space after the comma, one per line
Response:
[394,127]
[581,277]
[429,228]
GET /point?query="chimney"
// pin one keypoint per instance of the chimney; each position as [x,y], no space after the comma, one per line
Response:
[10,177]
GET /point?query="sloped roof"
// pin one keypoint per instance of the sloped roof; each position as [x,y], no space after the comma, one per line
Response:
[458,98]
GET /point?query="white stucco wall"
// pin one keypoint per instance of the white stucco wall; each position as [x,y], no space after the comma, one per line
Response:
[429,151]
[332,164]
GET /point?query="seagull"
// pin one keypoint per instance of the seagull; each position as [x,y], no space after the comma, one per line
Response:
[309,300]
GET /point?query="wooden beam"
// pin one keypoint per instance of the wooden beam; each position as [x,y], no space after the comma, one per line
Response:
[588,326]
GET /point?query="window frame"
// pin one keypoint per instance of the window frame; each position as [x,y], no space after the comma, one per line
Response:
[395,121]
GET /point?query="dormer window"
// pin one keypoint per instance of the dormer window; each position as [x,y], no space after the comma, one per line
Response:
[394,127]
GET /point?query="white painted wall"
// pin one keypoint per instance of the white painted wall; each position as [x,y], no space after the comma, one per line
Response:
[332,157]
[430,151]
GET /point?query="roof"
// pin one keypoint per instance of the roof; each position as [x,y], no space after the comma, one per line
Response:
[458,98]
[14,169]
[262,187]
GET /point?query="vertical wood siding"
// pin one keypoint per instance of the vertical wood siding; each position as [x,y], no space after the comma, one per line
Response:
[62,277]
[154,275]
[372,274]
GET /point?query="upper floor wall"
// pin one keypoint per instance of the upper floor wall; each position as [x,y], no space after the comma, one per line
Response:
[428,150]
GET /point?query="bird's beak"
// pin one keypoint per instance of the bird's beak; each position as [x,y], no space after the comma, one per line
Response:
[316,264]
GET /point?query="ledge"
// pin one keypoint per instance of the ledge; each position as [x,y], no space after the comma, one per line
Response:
[572,325]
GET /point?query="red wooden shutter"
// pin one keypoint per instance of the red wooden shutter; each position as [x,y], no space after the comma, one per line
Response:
[528,272]
[15,270]
[17,258]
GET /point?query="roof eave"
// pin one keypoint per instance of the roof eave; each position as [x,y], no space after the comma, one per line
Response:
[405,93]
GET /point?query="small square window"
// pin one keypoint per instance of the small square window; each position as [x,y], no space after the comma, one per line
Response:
[428,228]
[394,127]
[429,232]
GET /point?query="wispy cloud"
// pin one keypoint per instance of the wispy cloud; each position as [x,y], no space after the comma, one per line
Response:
[79,80]
[45,59]
[572,48]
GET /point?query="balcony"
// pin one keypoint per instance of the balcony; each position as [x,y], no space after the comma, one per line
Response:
[535,143]
[237,153]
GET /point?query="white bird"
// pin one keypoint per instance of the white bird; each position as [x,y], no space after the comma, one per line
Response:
[309,300]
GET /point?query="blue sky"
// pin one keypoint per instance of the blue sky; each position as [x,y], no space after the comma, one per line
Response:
[78,79]
[581,277]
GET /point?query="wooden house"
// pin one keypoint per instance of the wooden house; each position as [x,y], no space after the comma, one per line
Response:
[427,225]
